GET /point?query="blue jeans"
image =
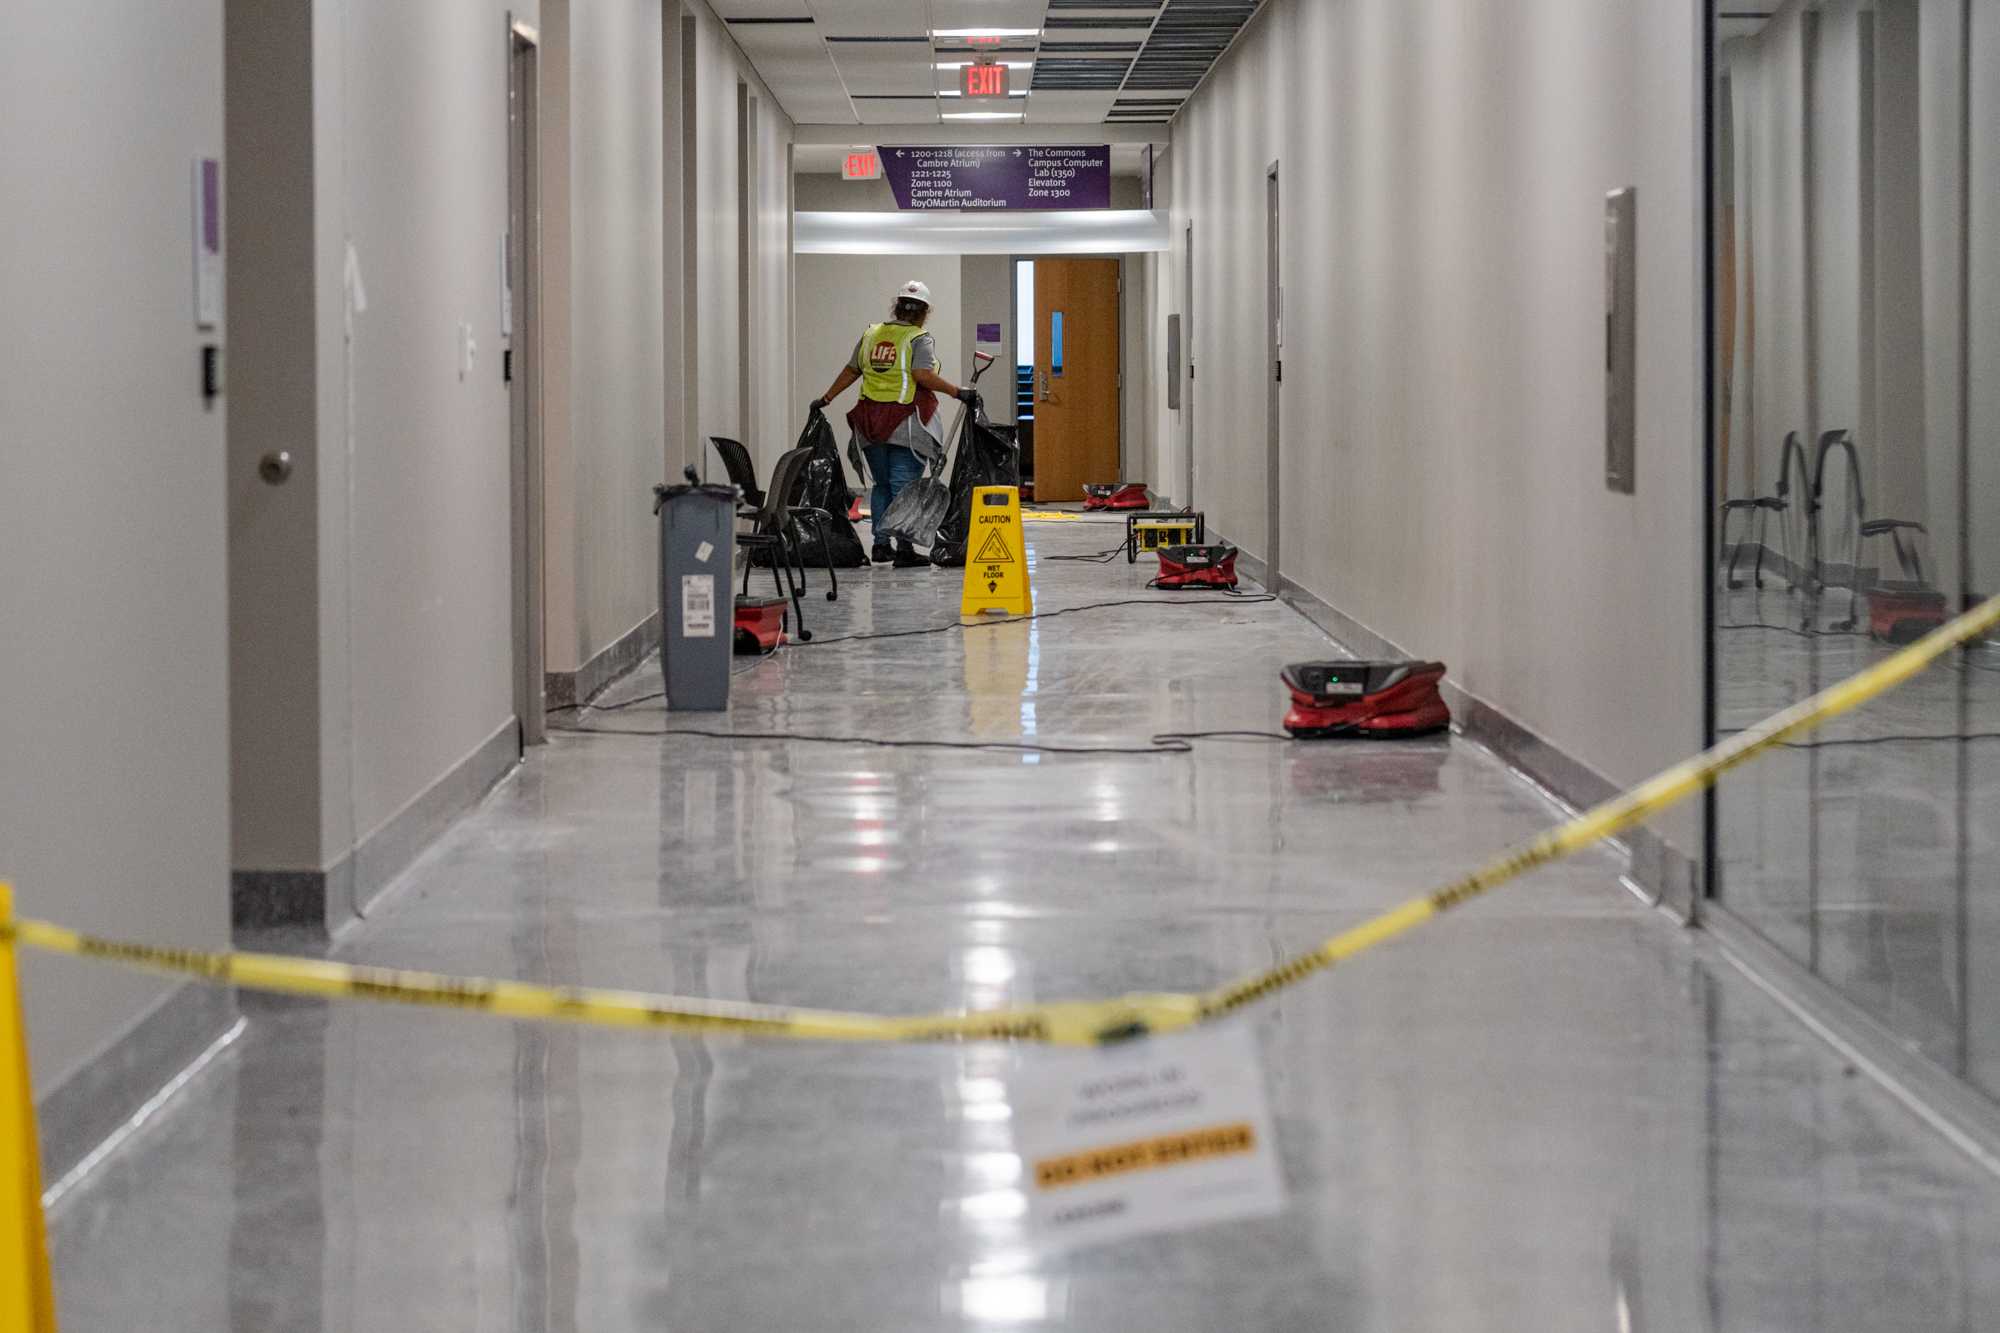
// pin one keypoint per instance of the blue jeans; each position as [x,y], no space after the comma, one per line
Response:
[894,467]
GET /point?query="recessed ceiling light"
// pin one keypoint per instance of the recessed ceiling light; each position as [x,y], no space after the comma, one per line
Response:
[983,115]
[974,34]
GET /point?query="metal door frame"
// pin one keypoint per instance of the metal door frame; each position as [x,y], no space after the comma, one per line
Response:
[1187,359]
[522,365]
[1274,323]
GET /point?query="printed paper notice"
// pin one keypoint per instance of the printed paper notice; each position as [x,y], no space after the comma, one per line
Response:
[1161,1135]
[697,606]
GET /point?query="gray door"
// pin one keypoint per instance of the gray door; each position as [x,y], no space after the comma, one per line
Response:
[1275,337]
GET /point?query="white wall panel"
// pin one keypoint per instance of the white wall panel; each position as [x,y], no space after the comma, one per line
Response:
[114,815]
[1444,168]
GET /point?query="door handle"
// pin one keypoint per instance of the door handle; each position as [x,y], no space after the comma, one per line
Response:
[1045,384]
[275,467]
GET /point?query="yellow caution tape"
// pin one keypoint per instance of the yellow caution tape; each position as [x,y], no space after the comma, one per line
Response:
[1079,1023]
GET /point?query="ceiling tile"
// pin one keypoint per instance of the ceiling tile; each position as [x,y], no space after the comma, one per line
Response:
[870,67]
[792,60]
[893,112]
[761,9]
[872,18]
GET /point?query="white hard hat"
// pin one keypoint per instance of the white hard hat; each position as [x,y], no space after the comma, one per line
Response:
[914,291]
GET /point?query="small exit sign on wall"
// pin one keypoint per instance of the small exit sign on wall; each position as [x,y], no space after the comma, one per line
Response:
[984,80]
[861,164]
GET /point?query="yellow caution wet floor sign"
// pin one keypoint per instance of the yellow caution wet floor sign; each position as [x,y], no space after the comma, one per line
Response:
[996,563]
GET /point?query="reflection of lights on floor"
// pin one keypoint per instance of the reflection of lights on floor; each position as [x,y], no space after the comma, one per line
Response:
[988,1112]
[994,1206]
[987,965]
[1001,1300]
[993,1170]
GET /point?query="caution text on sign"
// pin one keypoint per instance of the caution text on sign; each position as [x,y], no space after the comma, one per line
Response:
[996,564]
[1158,1135]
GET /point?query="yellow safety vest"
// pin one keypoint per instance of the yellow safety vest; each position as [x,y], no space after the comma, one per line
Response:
[885,363]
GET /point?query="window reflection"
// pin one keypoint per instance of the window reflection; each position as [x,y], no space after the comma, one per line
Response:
[1856,271]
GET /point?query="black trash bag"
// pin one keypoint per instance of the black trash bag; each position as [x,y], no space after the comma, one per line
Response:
[986,456]
[823,486]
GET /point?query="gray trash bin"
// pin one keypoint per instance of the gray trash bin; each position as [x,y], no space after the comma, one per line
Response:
[697,602]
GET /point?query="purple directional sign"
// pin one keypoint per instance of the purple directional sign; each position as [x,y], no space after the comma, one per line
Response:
[1000,176]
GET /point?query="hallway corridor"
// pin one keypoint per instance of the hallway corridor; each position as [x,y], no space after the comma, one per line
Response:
[1555,1111]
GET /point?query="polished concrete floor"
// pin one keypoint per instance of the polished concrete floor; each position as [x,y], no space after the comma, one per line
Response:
[1554,1110]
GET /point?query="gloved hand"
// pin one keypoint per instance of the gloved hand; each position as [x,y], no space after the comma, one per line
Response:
[816,406]
[969,396]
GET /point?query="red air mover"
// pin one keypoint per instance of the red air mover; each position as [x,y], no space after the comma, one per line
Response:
[1114,495]
[1197,567]
[1365,699]
[760,624]
[1899,613]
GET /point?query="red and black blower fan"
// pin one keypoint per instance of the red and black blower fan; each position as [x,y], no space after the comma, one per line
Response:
[1380,699]
[1114,495]
[1211,566]
[760,624]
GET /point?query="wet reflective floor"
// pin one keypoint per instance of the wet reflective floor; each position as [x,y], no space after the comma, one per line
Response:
[1553,1110]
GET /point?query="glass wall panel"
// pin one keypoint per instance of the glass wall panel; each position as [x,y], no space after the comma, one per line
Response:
[1849,210]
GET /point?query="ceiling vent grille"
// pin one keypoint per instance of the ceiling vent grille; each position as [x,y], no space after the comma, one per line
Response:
[1186,41]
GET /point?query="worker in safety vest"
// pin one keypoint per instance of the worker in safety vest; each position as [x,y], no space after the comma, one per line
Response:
[896,422]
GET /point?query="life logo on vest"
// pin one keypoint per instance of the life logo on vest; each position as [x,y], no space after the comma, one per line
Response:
[883,355]
[996,571]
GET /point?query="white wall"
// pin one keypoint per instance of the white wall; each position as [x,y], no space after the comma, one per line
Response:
[771,425]
[841,295]
[1444,171]
[617,361]
[424,204]
[986,296]
[114,813]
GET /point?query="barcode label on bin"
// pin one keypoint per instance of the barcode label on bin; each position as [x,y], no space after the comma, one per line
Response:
[697,606]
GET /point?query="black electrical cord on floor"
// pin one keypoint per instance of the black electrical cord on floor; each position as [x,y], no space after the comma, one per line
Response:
[1190,736]
[1103,557]
[1159,745]
[949,626]
[1797,632]
[1869,740]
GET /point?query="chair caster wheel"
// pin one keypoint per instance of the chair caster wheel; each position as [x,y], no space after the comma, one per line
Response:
[833,597]
[805,636]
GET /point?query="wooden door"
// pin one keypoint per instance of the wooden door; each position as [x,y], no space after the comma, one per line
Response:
[1076,376]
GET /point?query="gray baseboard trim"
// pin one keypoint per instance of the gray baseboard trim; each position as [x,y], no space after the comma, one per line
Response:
[113,1087]
[320,902]
[1929,1091]
[399,840]
[562,688]
[1664,875]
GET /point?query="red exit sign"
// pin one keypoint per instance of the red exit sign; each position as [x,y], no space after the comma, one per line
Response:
[861,165]
[984,81]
